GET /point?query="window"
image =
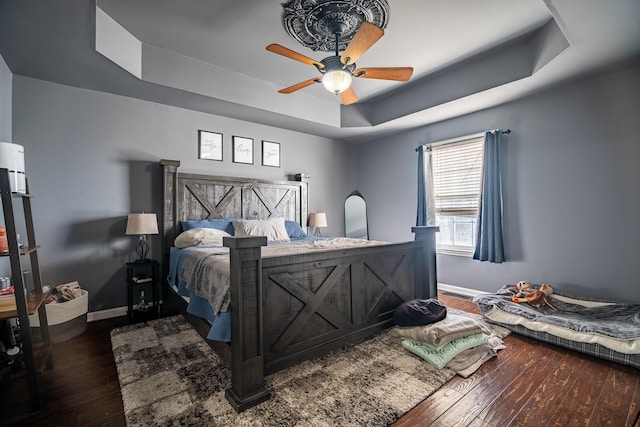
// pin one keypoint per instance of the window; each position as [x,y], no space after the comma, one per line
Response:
[457,178]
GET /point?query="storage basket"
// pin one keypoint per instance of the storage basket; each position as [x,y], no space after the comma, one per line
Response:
[66,320]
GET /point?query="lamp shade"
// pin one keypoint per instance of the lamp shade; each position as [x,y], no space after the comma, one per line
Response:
[318,219]
[142,223]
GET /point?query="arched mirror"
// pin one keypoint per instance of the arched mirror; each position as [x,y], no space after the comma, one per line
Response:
[355,216]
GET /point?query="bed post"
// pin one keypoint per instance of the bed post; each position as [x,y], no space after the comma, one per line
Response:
[427,282]
[247,348]
[170,208]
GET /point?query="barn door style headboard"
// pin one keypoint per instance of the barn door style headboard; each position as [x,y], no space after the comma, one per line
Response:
[196,197]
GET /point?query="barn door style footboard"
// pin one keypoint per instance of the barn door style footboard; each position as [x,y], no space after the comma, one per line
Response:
[292,308]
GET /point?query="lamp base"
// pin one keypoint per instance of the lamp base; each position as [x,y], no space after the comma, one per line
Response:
[142,249]
[317,233]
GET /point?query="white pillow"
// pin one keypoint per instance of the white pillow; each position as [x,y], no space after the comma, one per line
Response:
[273,228]
[200,237]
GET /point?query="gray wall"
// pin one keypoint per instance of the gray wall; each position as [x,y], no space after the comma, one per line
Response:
[5,101]
[570,179]
[91,158]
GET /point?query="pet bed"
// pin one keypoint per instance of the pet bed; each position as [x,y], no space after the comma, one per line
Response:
[605,329]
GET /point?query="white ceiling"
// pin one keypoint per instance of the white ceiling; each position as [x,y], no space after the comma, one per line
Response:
[209,55]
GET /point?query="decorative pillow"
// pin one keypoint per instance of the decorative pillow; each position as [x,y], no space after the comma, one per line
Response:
[219,224]
[418,312]
[294,229]
[200,237]
[440,357]
[440,333]
[273,228]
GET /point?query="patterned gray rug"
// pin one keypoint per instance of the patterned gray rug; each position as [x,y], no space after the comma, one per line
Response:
[170,377]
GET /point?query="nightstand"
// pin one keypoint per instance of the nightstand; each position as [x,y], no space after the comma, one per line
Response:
[143,276]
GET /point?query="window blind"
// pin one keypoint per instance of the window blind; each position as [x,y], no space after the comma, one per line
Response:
[457,176]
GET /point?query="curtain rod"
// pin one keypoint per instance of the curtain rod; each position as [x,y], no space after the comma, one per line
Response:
[460,138]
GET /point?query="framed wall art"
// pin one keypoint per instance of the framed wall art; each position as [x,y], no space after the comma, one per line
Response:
[209,145]
[271,154]
[242,150]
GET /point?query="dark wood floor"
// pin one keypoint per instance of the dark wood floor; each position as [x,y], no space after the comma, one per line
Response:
[528,384]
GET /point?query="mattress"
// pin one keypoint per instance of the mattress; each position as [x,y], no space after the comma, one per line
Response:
[606,329]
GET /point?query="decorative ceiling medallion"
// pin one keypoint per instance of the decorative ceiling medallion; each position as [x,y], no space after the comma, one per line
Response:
[313,23]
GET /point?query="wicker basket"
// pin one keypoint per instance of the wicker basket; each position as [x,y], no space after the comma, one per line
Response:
[66,320]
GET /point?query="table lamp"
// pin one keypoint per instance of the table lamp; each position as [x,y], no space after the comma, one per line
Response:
[141,224]
[318,220]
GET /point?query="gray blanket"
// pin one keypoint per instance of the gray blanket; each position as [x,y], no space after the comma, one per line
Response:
[616,320]
[206,273]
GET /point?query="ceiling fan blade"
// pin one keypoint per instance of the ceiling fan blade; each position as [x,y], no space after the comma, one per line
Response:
[364,38]
[300,85]
[401,74]
[281,50]
[349,96]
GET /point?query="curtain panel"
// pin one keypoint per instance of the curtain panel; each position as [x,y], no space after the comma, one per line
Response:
[489,244]
[426,213]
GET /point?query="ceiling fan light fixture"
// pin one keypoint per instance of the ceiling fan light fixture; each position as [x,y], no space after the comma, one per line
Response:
[336,81]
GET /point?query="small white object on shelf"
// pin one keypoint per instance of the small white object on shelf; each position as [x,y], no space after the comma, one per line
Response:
[12,159]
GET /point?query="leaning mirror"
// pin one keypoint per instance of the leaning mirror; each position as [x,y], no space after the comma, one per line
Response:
[355,216]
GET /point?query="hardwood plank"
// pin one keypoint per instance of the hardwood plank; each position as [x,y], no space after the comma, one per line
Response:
[581,397]
[541,406]
[633,418]
[616,405]
[509,401]
[477,399]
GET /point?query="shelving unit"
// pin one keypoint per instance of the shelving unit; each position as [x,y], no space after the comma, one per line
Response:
[36,356]
[149,271]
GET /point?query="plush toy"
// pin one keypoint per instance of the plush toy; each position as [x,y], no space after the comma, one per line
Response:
[521,286]
[535,298]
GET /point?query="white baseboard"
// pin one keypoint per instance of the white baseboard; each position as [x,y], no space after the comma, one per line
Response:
[92,316]
[459,290]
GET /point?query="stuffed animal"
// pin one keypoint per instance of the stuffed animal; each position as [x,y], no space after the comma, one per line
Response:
[535,298]
[522,285]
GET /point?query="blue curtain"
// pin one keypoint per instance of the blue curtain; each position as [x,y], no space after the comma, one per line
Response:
[426,214]
[489,246]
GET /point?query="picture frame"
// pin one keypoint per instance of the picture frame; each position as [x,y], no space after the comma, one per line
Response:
[242,150]
[209,145]
[271,154]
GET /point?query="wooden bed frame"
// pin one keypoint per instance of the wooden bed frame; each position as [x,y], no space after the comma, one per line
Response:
[289,309]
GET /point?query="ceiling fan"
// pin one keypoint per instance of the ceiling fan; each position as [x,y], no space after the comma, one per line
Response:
[338,70]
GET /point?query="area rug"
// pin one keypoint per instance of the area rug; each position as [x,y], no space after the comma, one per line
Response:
[170,377]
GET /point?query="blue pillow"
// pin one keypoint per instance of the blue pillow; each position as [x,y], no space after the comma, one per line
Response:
[220,224]
[294,229]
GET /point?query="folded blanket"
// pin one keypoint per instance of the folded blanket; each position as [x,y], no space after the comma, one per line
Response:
[443,332]
[439,357]
[470,360]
